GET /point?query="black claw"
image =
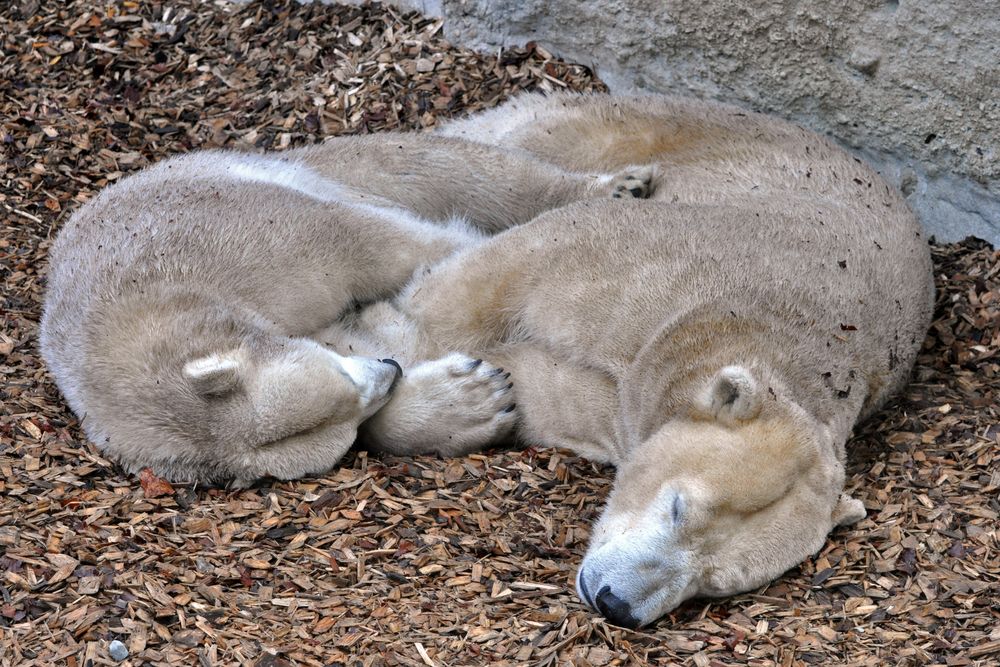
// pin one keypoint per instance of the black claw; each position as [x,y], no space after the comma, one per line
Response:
[510,385]
[510,408]
[506,375]
[475,364]
[393,362]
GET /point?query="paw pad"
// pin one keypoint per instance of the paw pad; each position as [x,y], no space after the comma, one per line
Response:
[631,186]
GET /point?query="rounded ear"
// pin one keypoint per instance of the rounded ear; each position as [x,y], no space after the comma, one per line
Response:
[214,375]
[733,395]
[848,511]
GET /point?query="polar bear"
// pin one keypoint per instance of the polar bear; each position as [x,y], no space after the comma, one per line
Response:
[192,317]
[717,342]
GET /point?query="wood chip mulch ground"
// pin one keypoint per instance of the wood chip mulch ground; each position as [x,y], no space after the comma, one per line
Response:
[409,561]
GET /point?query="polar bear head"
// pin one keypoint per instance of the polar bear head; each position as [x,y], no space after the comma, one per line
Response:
[727,496]
[282,411]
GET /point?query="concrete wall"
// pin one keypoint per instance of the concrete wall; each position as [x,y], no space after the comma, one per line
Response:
[912,85]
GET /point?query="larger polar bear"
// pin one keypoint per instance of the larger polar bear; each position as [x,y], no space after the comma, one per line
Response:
[716,343]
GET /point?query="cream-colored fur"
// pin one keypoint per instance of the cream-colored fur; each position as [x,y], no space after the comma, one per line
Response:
[717,343]
[193,315]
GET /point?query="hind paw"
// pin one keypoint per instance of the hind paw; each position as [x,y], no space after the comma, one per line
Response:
[633,183]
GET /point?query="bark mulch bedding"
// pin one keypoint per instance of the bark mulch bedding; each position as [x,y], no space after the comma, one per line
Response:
[420,561]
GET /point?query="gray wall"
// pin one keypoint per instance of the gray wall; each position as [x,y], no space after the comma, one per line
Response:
[913,85]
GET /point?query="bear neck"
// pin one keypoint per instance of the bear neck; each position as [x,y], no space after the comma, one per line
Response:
[672,370]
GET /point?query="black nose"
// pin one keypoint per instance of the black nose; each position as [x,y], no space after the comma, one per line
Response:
[615,609]
[393,362]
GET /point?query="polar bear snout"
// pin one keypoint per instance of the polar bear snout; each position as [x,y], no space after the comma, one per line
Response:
[637,567]
[612,607]
[615,609]
[397,373]
[394,363]
[374,379]
[632,582]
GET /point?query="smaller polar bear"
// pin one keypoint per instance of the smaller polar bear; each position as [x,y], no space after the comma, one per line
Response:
[716,343]
[194,314]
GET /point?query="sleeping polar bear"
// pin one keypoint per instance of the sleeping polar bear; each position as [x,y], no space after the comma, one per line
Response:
[716,343]
[192,318]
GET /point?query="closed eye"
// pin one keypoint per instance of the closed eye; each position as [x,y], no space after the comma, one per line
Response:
[306,431]
[677,509]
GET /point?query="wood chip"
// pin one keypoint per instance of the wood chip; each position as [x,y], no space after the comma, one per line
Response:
[390,561]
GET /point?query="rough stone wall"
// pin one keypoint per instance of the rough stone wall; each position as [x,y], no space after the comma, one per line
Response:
[912,85]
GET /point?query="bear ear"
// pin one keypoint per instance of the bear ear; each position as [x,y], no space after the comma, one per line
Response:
[216,374]
[733,395]
[848,511]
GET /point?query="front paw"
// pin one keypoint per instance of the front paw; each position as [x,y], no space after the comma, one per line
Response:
[633,183]
[449,406]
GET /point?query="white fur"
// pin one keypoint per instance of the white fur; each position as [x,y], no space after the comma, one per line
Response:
[460,402]
[643,543]
[358,370]
[209,366]
[372,377]
[493,126]
[457,230]
[300,178]
[214,374]
[284,174]
[848,511]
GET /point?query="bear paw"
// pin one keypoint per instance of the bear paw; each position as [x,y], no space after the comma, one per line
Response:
[634,183]
[450,406]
